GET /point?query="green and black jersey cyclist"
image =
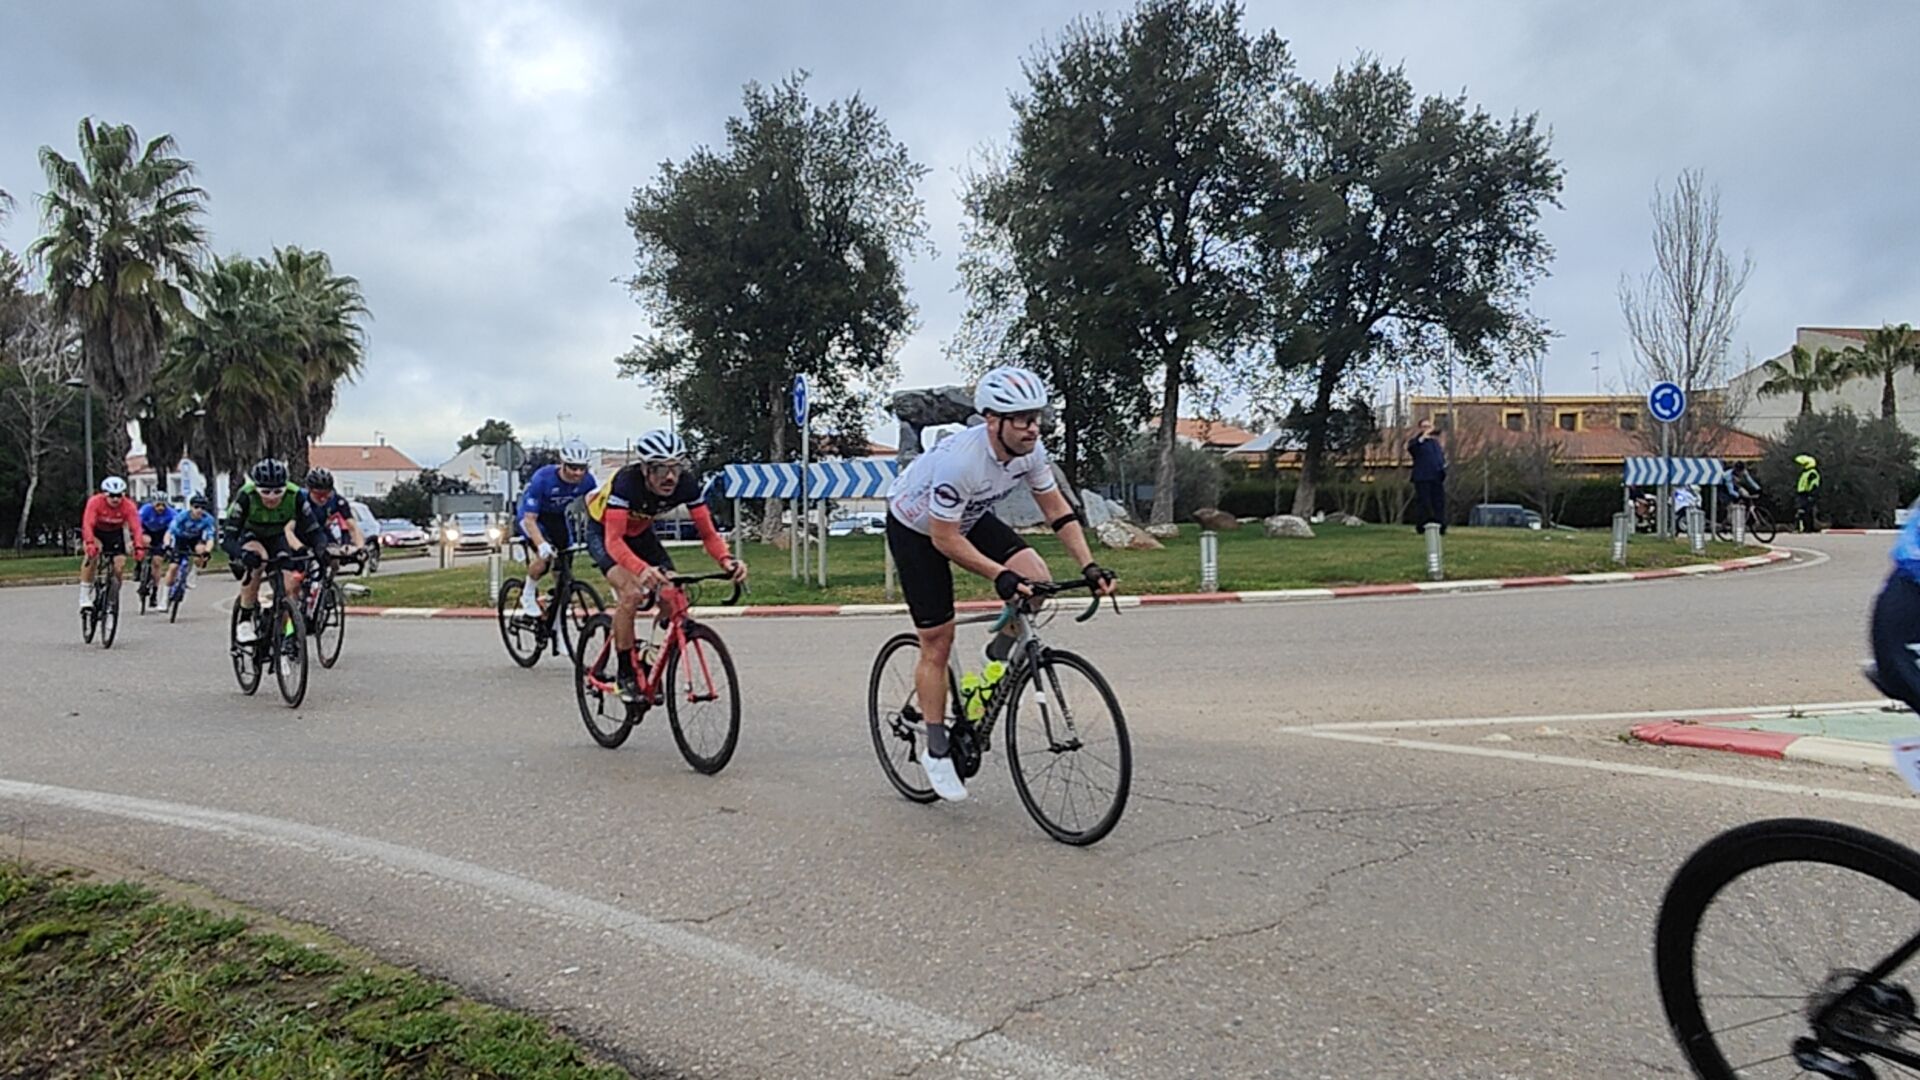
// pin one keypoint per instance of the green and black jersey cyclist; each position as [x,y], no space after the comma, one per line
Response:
[264,520]
[940,514]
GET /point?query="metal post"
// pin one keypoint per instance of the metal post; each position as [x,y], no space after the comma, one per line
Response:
[1738,512]
[1696,530]
[493,577]
[1434,567]
[1663,514]
[888,549]
[739,534]
[800,519]
[86,421]
[1622,531]
[1209,561]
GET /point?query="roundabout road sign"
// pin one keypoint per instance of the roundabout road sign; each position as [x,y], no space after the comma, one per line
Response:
[1667,402]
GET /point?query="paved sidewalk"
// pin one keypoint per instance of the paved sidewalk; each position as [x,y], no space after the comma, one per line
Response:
[1851,738]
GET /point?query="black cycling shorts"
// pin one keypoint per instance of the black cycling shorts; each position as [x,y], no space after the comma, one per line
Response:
[112,543]
[156,541]
[647,545]
[1895,631]
[926,576]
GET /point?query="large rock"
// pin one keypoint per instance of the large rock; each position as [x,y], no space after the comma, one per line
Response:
[1167,531]
[1121,534]
[1217,520]
[1018,509]
[1287,525]
[1352,520]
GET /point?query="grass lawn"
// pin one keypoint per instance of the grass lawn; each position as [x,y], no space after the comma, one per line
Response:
[107,979]
[1363,555]
[58,569]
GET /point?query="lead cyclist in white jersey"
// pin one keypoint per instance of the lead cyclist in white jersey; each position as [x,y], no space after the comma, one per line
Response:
[941,513]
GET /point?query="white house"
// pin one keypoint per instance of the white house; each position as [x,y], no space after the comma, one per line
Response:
[361,470]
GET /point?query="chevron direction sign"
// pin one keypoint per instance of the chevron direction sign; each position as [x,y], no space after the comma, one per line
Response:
[1647,471]
[865,479]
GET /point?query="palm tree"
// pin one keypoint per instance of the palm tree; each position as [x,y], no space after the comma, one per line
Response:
[1887,350]
[1803,373]
[123,235]
[322,310]
[232,372]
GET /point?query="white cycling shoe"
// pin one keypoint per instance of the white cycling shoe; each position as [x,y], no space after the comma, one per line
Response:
[946,782]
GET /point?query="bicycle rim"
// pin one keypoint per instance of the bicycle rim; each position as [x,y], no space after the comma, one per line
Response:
[1771,922]
[1764,529]
[520,634]
[330,626]
[289,643]
[608,719]
[246,658]
[898,741]
[110,616]
[583,603]
[703,700]
[1072,762]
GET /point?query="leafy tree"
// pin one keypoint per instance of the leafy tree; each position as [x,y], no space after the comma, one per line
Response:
[413,498]
[39,352]
[123,234]
[780,254]
[1197,474]
[492,433]
[1140,161]
[321,310]
[1866,465]
[1887,351]
[1420,227]
[1803,373]
[536,459]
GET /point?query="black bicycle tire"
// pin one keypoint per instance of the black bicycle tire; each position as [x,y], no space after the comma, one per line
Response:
[563,623]
[140,584]
[110,613]
[332,614]
[1764,528]
[1106,824]
[602,624]
[1716,865]
[290,610]
[883,732]
[506,608]
[245,657]
[705,765]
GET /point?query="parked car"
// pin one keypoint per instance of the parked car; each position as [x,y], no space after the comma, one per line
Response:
[399,534]
[1504,515]
[475,532]
[861,524]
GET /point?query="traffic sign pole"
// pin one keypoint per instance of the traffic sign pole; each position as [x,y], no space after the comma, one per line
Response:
[1667,402]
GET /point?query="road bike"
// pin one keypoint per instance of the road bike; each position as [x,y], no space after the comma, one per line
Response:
[1074,772]
[147,589]
[564,610]
[688,669]
[102,615]
[324,606]
[185,562]
[280,635]
[1760,523]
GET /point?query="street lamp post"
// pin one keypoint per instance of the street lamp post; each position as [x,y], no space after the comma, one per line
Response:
[86,422]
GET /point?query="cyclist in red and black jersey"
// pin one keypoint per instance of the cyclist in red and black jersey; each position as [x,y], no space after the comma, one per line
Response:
[110,527]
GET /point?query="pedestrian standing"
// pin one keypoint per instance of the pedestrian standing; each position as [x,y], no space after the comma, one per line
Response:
[1429,477]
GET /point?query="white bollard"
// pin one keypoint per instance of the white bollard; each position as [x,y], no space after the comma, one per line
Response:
[1738,511]
[493,577]
[1697,530]
[1622,532]
[1434,564]
[1209,561]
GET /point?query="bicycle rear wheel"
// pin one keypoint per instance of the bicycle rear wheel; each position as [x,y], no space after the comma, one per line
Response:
[329,625]
[1761,526]
[1075,771]
[288,634]
[582,603]
[609,720]
[894,717]
[704,711]
[521,634]
[246,658]
[1774,924]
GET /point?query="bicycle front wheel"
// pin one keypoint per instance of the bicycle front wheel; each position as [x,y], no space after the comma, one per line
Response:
[520,632]
[329,625]
[1765,942]
[1076,765]
[609,720]
[110,614]
[895,719]
[288,632]
[703,700]
[246,657]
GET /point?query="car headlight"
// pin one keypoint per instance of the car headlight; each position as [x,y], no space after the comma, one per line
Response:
[453,535]
[493,534]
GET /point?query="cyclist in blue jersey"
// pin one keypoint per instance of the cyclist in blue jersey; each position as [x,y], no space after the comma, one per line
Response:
[1896,619]
[155,519]
[542,516]
[193,531]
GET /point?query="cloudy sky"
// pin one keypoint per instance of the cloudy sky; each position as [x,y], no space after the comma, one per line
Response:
[470,161]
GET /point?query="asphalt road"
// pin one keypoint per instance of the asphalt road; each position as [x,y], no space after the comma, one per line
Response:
[1282,898]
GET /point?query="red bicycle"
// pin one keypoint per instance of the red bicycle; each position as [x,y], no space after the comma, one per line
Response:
[688,670]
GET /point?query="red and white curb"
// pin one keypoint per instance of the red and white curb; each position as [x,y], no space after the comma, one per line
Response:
[1703,734]
[1269,596]
[1861,532]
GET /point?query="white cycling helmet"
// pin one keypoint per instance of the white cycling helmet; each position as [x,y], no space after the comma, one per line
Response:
[113,485]
[661,445]
[1009,390]
[574,452]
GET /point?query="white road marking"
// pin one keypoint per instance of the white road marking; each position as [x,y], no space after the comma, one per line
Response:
[1775,710]
[922,1029]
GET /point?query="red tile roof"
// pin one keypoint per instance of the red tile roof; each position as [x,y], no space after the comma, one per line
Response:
[352,457]
[1210,432]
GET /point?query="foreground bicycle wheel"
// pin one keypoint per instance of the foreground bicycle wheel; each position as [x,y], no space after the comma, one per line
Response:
[609,720]
[521,634]
[110,613]
[895,719]
[246,658]
[1072,763]
[329,625]
[1761,527]
[703,700]
[1765,941]
[289,643]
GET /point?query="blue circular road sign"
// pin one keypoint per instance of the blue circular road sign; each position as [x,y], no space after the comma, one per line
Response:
[1667,402]
[800,400]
